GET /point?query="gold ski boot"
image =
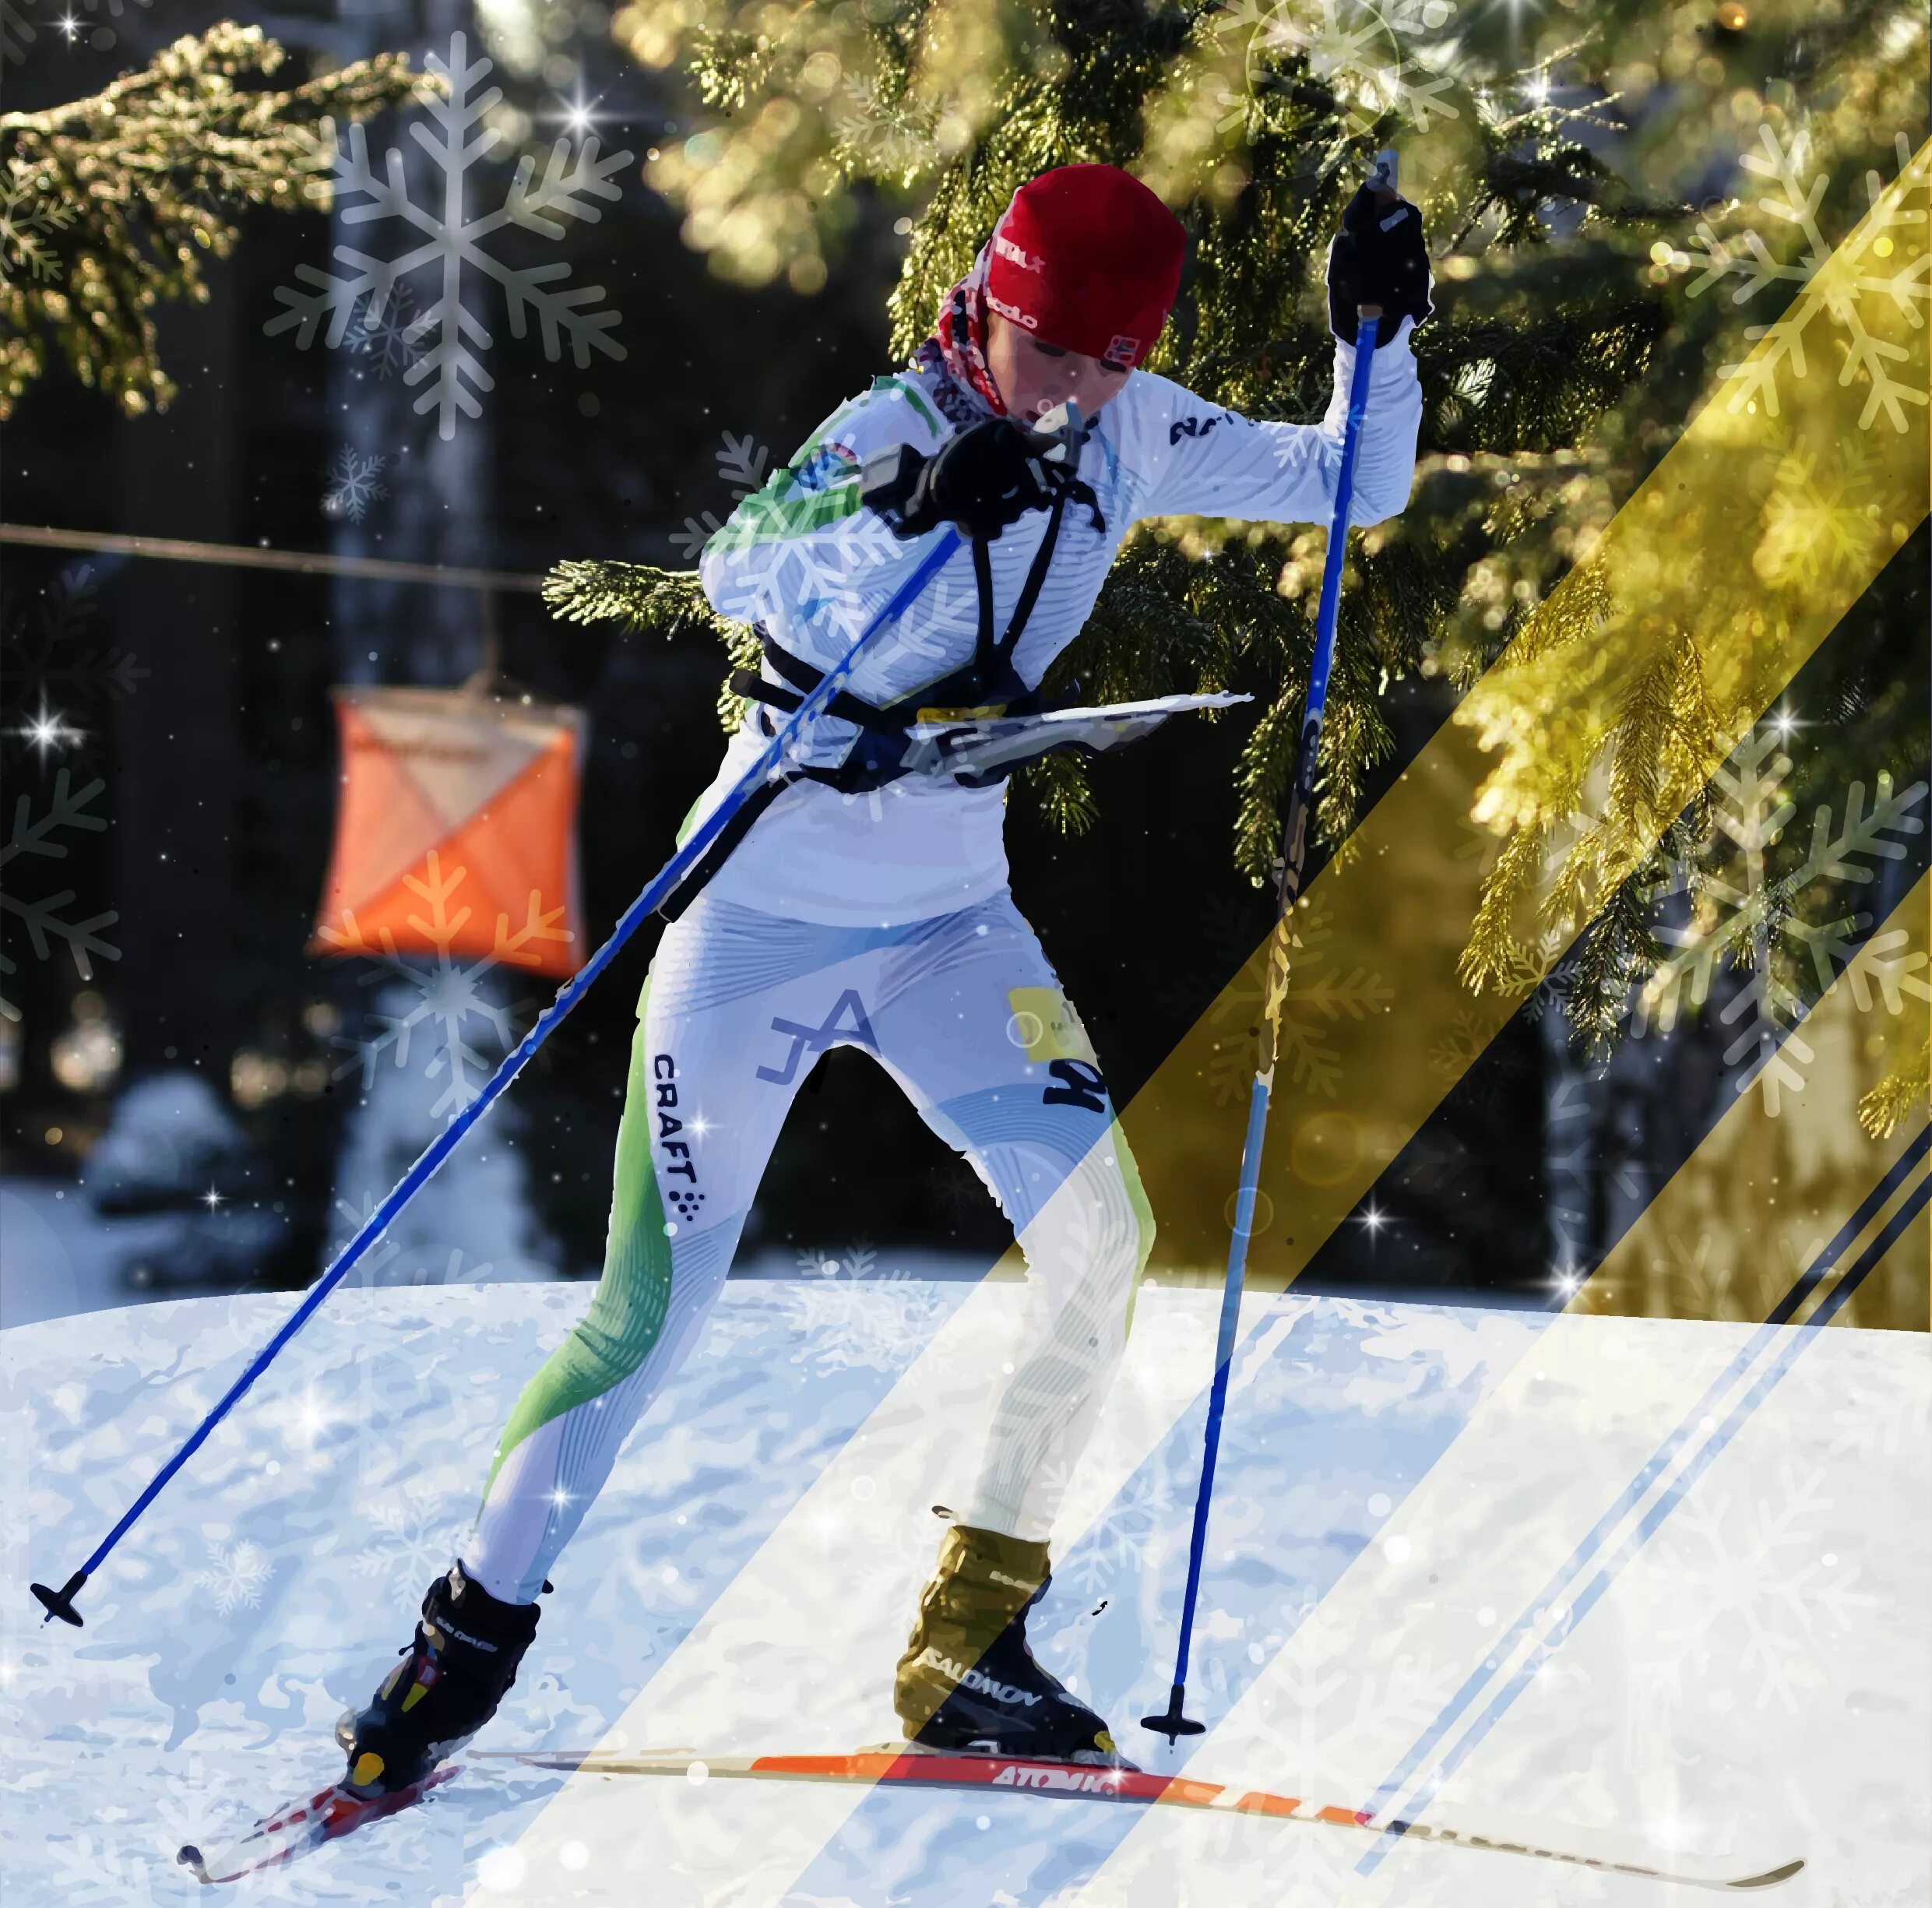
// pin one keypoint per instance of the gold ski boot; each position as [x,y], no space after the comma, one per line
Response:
[969,1682]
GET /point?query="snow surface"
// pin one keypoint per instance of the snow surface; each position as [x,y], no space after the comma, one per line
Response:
[1399,1486]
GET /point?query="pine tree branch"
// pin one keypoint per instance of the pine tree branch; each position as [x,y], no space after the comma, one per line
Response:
[669,603]
[1904,1091]
[147,175]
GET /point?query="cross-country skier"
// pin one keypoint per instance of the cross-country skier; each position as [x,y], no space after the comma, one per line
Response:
[861,905]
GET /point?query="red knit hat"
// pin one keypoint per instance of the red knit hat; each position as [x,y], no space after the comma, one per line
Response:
[1088,258]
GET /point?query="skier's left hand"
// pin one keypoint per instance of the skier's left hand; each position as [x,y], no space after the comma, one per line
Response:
[1378,258]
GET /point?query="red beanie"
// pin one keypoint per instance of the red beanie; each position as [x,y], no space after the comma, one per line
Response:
[1088,258]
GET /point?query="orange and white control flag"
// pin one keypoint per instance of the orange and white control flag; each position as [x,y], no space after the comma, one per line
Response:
[455,830]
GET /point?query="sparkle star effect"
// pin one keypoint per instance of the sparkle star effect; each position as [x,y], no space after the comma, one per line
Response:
[49,728]
[580,115]
[303,1420]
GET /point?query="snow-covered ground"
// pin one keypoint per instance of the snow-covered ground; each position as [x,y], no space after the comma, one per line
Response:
[59,1256]
[1443,1573]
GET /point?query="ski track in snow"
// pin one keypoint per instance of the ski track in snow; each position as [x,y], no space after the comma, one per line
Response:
[1395,1481]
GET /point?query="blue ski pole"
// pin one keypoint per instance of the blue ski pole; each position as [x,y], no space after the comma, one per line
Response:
[1288,869]
[61,1603]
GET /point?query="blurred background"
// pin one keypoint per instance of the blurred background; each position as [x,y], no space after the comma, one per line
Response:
[198,1092]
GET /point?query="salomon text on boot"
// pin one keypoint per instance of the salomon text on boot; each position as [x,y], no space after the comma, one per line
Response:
[461,1663]
[968,1681]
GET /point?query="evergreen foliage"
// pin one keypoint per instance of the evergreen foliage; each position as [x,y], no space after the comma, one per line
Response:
[109,202]
[1195,604]
[1568,349]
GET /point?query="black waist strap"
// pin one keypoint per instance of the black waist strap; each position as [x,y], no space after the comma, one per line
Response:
[804,677]
[988,686]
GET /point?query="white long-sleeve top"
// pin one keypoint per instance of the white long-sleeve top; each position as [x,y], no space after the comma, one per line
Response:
[807,560]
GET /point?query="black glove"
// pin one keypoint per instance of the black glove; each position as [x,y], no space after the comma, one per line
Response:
[982,478]
[1378,258]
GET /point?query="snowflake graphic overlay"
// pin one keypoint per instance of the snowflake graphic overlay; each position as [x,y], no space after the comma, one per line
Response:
[1822,523]
[449,991]
[1872,248]
[353,485]
[1132,1534]
[44,921]
[27,214]
[1566,1174]
[1326,1680]
[94,1864]
[1751,923]
[453,1271]
[409,1542]
[1898,1423]
[237,1575]
[381,1250]
[1231,926]
[1320,997]
[1762,1593]
[17,33]
[896,136]
[50,667]
[453,246]
[823,575]
[856,1262]
[392,336]
[847,1314]
[1694,1280]
[1362,51]
[742,463]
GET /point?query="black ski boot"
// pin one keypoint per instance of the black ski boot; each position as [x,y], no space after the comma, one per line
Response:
[462,1662]
[968,1682]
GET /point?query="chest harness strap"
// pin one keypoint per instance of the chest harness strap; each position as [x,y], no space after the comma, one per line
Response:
[988,685]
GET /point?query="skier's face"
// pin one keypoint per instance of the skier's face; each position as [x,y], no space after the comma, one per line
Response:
[1032,376]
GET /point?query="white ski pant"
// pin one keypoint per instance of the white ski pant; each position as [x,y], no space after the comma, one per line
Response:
[966,1014]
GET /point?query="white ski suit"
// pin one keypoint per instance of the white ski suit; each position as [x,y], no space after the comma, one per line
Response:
[882,919]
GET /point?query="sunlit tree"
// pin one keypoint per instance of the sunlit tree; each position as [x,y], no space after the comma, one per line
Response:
[1584,311]
[110,205]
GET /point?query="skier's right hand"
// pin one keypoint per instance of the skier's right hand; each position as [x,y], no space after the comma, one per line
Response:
[982,478]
